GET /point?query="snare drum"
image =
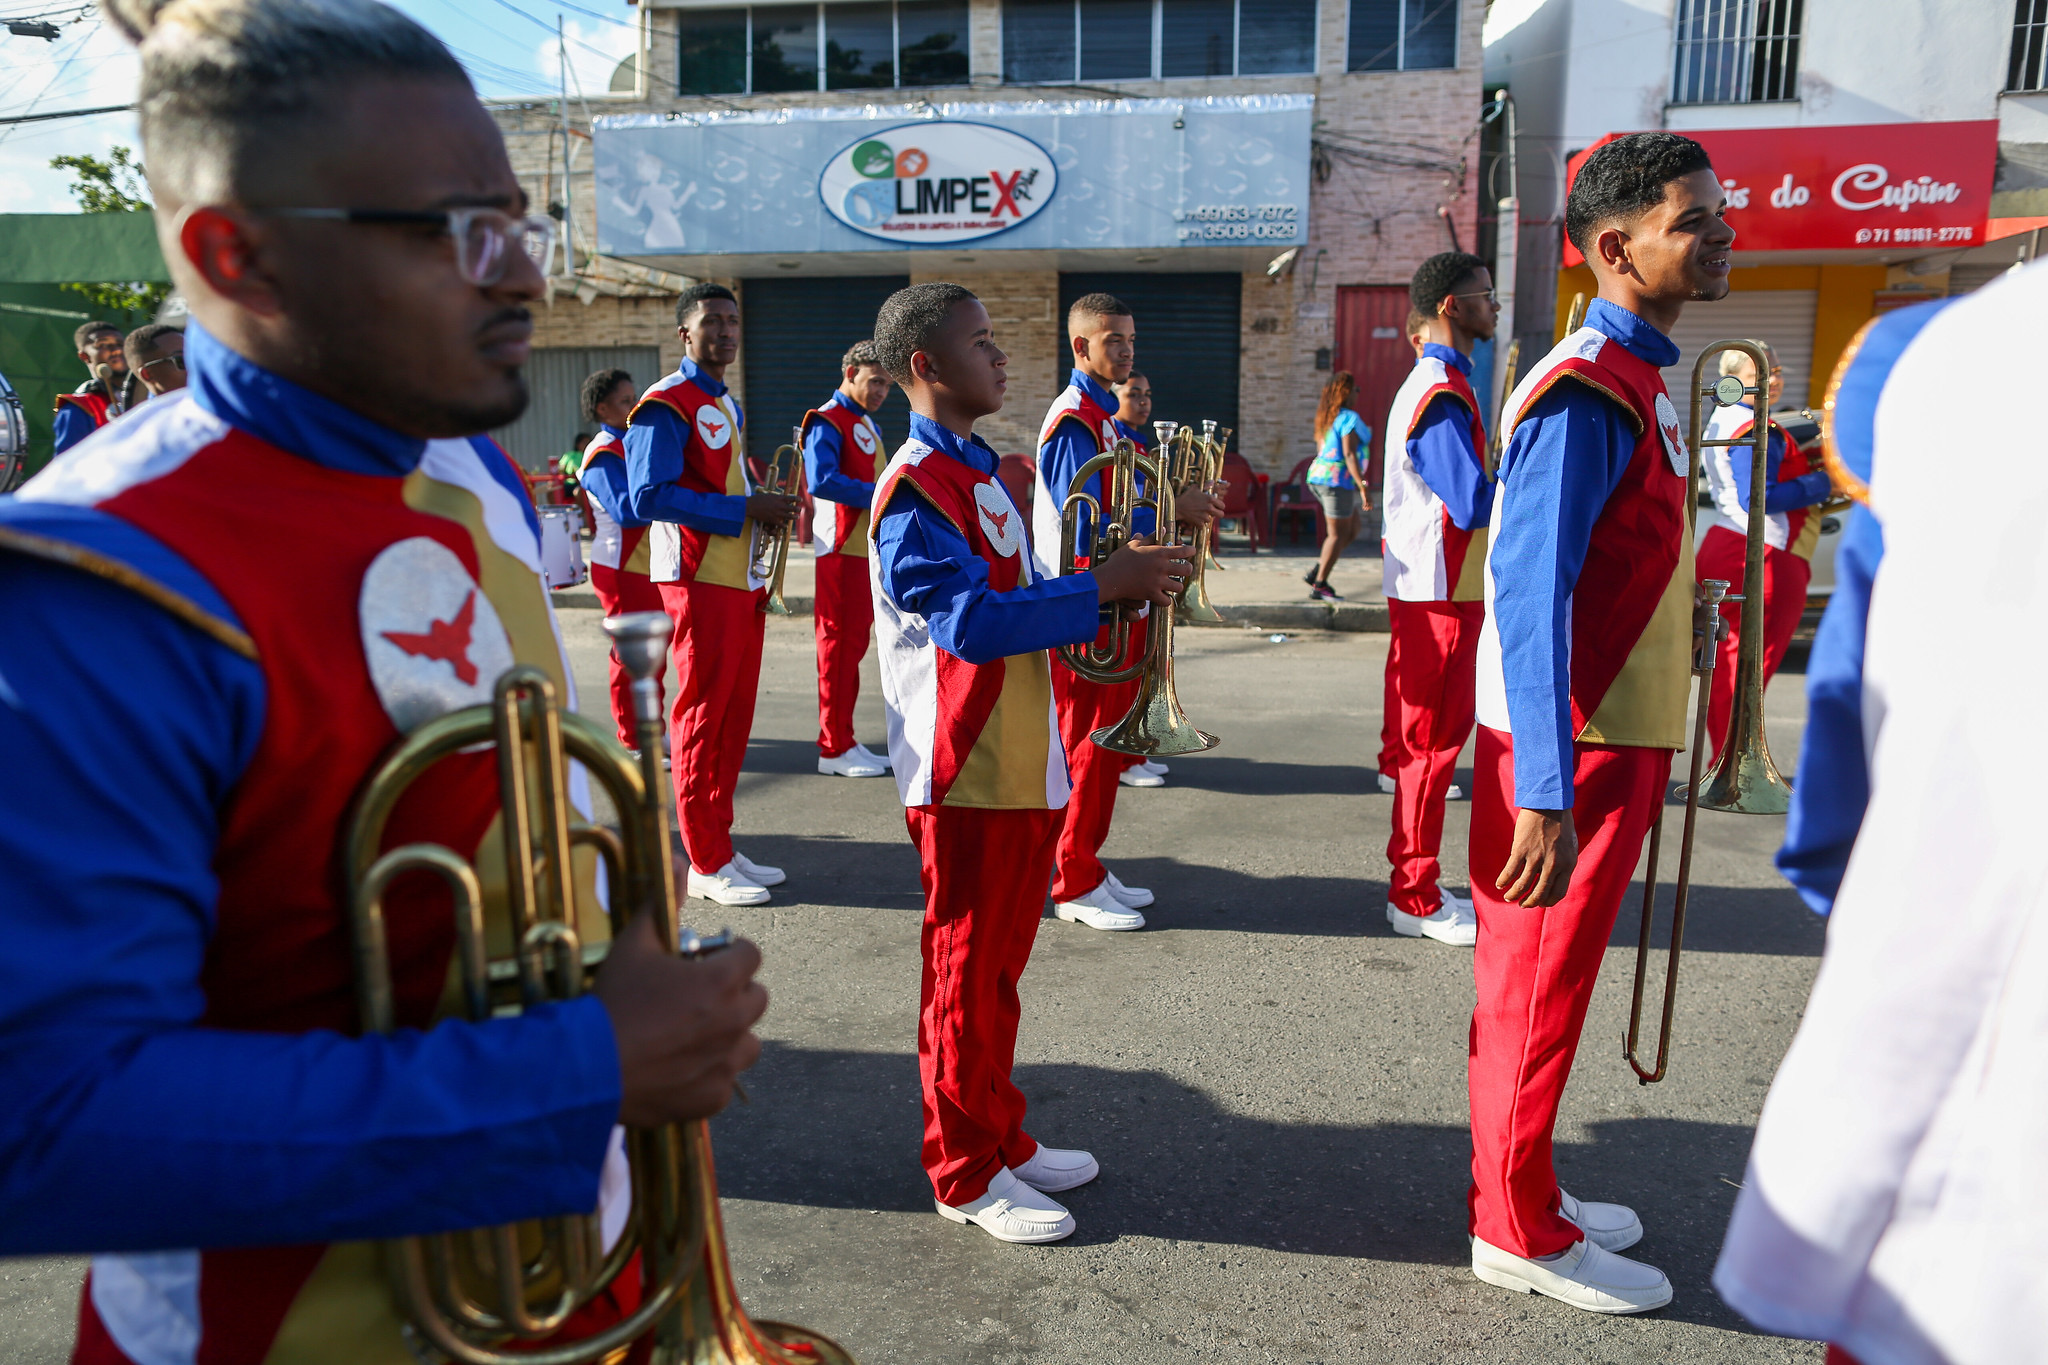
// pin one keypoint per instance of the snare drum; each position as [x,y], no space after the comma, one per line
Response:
[561,548]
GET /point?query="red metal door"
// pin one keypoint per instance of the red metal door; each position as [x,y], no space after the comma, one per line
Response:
[1372,343]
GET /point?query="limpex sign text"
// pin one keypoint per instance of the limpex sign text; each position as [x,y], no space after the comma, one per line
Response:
[938,182]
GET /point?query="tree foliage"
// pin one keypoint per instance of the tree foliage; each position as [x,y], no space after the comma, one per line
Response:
[115,185]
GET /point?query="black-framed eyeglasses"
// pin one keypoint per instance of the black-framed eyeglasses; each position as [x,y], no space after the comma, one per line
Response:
[482,235]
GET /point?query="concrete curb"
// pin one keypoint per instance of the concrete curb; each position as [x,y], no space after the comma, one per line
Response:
[1351,617]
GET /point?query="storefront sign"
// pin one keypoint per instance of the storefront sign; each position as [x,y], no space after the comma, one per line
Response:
[1028,175]
[1873,185]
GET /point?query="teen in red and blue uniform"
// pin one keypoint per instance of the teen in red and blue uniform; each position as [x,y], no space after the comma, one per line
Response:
[619,550]
[1436,499]
[841,444]
[89,407]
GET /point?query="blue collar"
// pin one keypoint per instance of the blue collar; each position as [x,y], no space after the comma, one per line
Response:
[280,413]
[843,401]
[688,370]
[1127,429]
[610,430]
[972,452]
[1450,355]
[1636,336]
[1102,397]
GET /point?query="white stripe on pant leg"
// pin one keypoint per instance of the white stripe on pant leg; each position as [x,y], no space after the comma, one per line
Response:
[149,1304]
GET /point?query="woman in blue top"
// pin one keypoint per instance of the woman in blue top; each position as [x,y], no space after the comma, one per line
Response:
[1337,477]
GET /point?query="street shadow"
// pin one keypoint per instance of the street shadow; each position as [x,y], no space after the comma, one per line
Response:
[841,1130]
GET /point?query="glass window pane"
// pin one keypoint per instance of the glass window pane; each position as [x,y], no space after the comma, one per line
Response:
[1196,38]
[1275,37]
[1038,40]
[1375,43]
[933,34]
[860,46]
[786,47]
[1116,40]
[1432,35]
[712,56]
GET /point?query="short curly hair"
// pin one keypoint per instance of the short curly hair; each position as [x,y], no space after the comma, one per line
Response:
[693,298]
[598,386]
[1437,278]
[859,354]
[908,321]
[1625,179]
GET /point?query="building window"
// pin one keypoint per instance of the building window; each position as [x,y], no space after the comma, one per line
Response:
[1068,41]
[773,49]
[1736,51]
[1402,35]
[2029,46]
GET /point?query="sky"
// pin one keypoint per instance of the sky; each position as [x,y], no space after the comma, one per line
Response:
[508,45]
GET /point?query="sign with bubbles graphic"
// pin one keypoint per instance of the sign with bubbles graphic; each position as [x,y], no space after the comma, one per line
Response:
[1028,175]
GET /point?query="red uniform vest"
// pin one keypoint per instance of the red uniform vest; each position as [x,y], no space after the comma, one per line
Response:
[1426,556]
[1802,527]
[624,548]
[714,461]
[1077,407]
[92,405]
[835,527]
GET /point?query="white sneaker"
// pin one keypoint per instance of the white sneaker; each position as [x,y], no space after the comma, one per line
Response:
[1099,909]
[1387,783]
[871,756]
[855,762]
[636,755]
[1052,1169]
[1587,1277]
[1444,895]
[1611,1227]
[1154,766]
[756,873]
[1132,897]
[1454,793]
[727,886]
[1012,1211]
[1452,925]
[1138,775]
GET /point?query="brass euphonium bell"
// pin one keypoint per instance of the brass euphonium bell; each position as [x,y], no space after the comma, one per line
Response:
[493,1296]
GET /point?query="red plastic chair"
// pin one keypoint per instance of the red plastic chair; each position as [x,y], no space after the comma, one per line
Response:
[1242,504]
[1293,496]
[1019,474]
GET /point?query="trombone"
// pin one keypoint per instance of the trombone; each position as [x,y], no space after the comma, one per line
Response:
[1155,724]
[488,1296]
[768,557]
[1745,780]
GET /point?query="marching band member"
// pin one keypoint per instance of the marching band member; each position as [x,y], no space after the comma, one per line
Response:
[1892,1201]
[1134,420]
[155,355]
[1417,332]
[1436,500]
[85,409]
[1079,426]
[222,615]
[964,623]
[686,472]
[840,443]
[1791,530]
[1583,680]
[619,550]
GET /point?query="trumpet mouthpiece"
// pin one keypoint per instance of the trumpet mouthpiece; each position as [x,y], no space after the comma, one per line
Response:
[640,639]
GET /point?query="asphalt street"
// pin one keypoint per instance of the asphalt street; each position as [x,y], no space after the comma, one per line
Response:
[1273,1082]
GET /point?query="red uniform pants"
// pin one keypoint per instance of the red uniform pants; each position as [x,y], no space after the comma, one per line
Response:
[1085,707]
[717,652]
[1433,683]
[1534,971]
[619,591]
[984,892]
[1390,707]
[845,611]
[1786,575]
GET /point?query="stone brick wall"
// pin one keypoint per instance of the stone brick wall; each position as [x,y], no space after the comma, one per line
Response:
[1022,305]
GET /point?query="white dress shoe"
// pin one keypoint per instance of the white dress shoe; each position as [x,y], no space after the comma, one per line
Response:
[727,886]
[1454,793]
[1446,896]
[1052,1169]
[1138,775]
[1387,783]
[855,762]
[636,755]
[757,873]
[1132,897]
[1012,1211]
[1154,766]
[1585,1277]
[1452,925]
[1099,909]
[1611,1227]
[879,760]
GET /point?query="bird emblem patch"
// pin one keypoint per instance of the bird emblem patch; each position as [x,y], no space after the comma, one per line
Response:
[714,428]
[432,639]
[999,519]
[1674,444]
[864,437]
[1109,433]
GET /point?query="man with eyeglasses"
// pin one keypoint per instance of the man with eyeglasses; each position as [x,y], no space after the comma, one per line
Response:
[90,406]
[156,356]
[223,614]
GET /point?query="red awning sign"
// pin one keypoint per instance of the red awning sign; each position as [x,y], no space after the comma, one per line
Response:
[1871,185]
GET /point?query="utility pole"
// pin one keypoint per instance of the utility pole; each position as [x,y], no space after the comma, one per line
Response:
[1507,244]
[568,197]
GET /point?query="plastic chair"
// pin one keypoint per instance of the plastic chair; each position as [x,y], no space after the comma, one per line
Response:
[1293,496]
[1019,474]
[1242,504]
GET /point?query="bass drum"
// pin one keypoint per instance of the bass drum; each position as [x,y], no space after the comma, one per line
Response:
[561,548]
[13,439]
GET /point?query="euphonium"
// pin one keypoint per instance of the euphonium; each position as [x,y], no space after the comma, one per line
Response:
[485,1296]
[1155,724]
[1194,464]
[770,550]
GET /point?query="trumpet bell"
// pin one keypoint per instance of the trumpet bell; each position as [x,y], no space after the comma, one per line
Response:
[1155,726]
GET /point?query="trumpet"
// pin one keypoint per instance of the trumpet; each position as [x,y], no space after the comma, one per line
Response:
[1195,464]
[769,552]
[487,1295]
[1155,724]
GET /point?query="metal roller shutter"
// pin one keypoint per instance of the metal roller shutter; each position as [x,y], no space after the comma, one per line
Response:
[1782,317]
[554,378]
[794,333]
[1187,338]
